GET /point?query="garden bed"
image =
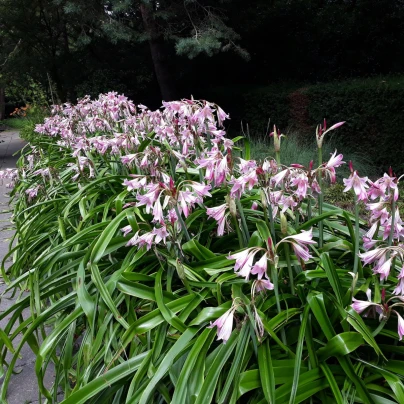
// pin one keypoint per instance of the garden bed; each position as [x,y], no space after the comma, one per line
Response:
[191,273]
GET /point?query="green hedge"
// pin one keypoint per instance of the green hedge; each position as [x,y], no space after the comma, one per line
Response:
[373,109]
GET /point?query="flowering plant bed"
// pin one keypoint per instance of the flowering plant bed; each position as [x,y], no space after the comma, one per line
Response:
[173,268]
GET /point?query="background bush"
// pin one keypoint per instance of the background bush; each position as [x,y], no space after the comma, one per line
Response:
[373,109]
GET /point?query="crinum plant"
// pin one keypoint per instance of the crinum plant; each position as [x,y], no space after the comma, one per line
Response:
[174,268]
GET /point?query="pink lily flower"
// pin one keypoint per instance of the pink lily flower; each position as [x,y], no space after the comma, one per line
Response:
[263,284]
[238,187]
[399,290]
[201,189]
[251,179]
[371,256]
[144,240]
[383,268]
[126,230]
[219,214]
[276,179]
[32,193]
[128,158]
[335,161]
[187,201]
[315,188]
[247,165]
[254,206]
[158,216]
[137,183]
[400,326]
[260,267]
[270,167]
[300,242]
[360,305]
[287,202]
[301,182]
[221,115]
[161,234]
[222,170]
[375,190]
[358,184]
[244,260]
[224,325]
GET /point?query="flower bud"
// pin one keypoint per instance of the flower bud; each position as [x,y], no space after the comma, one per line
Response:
[264,200]
[319,136]
[232,207]
[284,224]
[277,140]
[180,270]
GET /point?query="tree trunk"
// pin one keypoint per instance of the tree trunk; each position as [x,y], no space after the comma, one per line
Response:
[2,104]
[159,54]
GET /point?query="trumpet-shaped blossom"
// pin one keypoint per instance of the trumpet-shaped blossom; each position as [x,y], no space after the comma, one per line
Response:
[32,192]
[260,267]
[300,242]
[201,189]
[372,255]
[361,305]
[400,326]
[358,184]
[224,325]
[247,165]
[399,290]
[137,183]
[187,201]
[301,182]
[126,230]
[244,261]
[219,214]
[263,284]
[383,268]
[335,161]
[278,178]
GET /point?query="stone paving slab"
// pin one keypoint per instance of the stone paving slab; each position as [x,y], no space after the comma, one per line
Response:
[10,144]
[23,386]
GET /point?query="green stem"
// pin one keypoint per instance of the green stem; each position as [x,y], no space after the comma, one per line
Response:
[379,328]
[287,255]
[183,226]
[297,219]
[274,276]
[200,170]
[278,157]
[393,216]
[243,221]
[320,197]
[271,221]
[240,237]
[309,209]
[357,235]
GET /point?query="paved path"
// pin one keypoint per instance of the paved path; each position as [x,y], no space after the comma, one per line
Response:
[23,386]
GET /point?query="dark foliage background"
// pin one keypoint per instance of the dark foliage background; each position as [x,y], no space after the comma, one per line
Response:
[294,61]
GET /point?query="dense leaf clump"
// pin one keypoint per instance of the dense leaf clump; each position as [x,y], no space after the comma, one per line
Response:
[173,268]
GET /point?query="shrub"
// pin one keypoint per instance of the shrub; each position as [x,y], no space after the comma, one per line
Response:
[373,109]
[142,235]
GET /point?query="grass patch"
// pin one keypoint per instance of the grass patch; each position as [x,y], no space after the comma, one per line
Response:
[15,123]
[295,150]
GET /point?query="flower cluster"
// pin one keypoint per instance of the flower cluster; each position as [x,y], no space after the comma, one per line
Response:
[178,158]
[383,241]
[11,175]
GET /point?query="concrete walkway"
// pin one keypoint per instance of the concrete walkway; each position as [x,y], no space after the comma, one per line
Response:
[23,386]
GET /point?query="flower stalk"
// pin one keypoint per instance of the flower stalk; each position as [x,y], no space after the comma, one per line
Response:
[320,198]
[357,235]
